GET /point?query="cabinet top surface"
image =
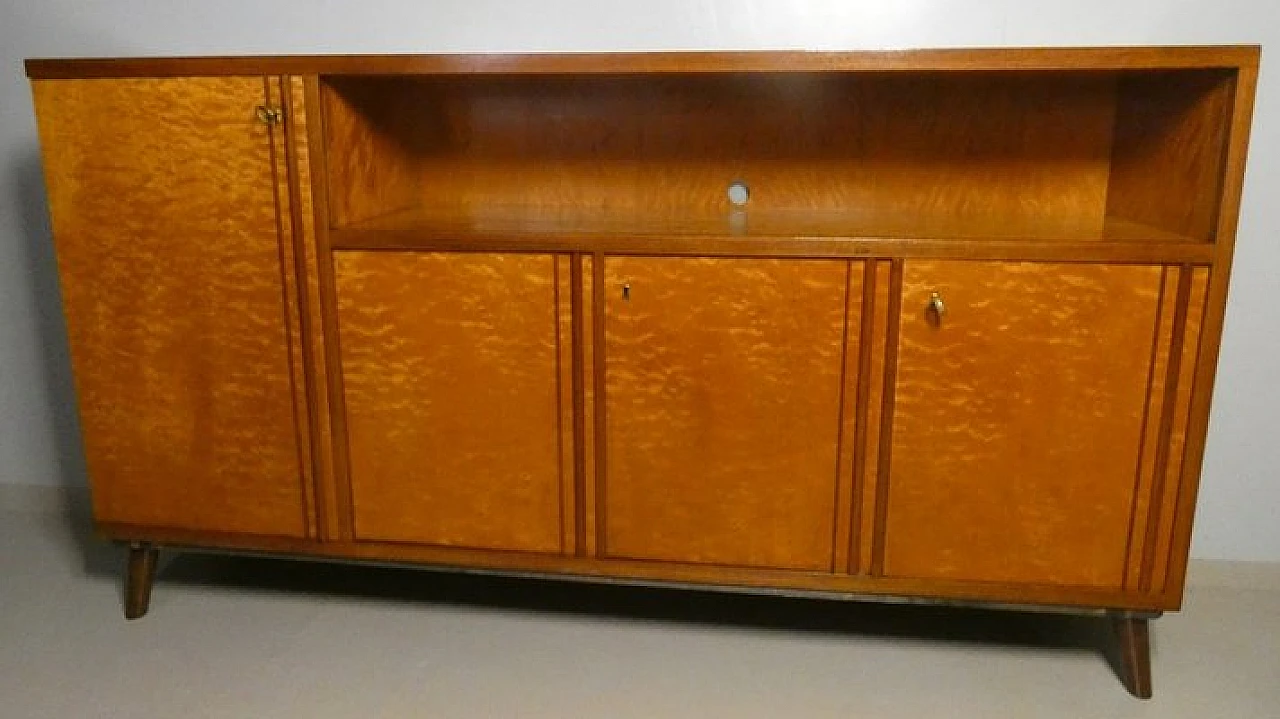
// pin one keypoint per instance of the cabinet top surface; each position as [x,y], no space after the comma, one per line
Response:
[1081,58]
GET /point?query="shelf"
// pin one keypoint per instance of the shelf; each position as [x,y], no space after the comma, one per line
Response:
[783,233]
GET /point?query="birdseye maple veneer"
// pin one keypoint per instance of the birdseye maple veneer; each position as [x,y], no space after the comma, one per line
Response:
[952,338]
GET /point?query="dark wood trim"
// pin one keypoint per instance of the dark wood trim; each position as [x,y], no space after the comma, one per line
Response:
[853,248]
[598,395]
[886,417]
[342,514]
[1133,636]
[140,574]
[1174,561]
[989,59]
[579,408]
[312,484]
[650,572]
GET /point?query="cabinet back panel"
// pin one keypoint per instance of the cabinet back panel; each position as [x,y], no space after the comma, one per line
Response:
[450,369]
[970,147]
[1017,421]
[164,214]
[722,397]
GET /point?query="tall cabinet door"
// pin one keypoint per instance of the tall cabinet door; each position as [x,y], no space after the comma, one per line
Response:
[455,373]
[1017,422]
[163,203]
[722,395]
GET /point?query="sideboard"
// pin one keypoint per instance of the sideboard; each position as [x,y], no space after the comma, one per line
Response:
[938,325]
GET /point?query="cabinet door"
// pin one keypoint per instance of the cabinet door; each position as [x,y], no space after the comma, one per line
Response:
[164,215]
[451,367]
[1017,420]
[722,398]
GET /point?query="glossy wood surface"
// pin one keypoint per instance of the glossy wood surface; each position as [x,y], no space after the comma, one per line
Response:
[1133,636]
[301,152]
[1160,532]
[1017,421]
[648,572]
[1240,122]
[139,576]
[1170,126]
[722,391]
[962,156]
[980,59]
[450,370]
[585,229]
[746,430]
[878,314]
[164,214]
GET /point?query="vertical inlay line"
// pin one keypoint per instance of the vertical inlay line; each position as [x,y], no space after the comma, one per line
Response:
[886,417]
[842,526]
[579,407]
[1166,424]
[598,370]
[1152,405]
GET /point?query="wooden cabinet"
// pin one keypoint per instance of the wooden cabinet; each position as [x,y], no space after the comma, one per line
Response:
[934,324]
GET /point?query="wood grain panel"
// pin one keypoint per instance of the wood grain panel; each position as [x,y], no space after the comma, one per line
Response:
[450,373]
[722,398]
[164,215]
[1171,126]
[1172,486]
[369,136]
[590,369]
[1017,421]
[571,522]
[959,155]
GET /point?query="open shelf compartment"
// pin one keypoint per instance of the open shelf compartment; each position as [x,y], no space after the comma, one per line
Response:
[1070,156]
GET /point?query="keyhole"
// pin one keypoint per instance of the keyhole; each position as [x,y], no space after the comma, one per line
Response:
[626,292]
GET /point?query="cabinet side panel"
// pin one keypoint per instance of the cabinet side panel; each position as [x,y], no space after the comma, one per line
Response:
[1167,162]
[1017,421]
[450,371]
[164,214]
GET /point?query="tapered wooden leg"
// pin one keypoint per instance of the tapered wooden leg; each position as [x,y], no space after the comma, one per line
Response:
[1135,654]
[139,575]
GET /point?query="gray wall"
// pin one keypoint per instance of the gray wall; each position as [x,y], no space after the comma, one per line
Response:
[39,443]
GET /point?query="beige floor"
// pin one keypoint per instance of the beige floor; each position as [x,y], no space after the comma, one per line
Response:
[265,638]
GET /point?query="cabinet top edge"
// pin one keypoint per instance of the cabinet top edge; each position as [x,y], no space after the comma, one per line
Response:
[983,59]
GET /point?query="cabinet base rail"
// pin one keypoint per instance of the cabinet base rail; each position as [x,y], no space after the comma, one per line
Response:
[1131,660]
